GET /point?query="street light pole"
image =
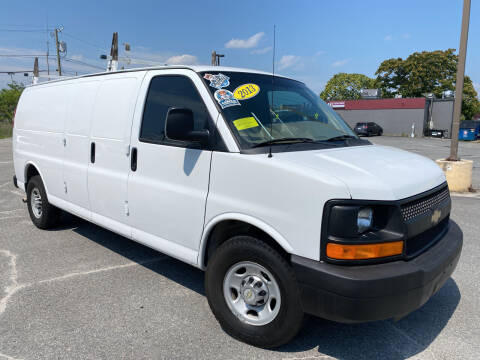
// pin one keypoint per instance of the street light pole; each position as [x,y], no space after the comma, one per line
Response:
[457,108]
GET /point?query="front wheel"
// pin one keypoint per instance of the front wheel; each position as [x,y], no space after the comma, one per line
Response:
[253,293]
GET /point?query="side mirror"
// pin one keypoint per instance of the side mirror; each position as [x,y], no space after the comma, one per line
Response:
[179,126]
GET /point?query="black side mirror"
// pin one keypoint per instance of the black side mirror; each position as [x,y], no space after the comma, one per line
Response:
[179,126]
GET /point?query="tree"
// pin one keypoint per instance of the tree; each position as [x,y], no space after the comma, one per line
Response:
[470,102]
[343,86]
[9,99]
[426,72]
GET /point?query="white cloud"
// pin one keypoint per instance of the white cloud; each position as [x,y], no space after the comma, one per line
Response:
[388,38]
[406,36]
[143,56]
[320,53]
[340,62]
[287,61]
[251,42]
[184,59]
[261,51]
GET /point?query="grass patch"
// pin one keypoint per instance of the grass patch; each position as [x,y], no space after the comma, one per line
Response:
[5,130]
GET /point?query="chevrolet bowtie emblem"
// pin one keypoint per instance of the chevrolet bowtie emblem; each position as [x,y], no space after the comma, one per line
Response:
[436,216]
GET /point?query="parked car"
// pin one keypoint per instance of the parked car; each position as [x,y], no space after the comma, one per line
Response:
[437,133]
[469,130]
[368,129]
[248,176]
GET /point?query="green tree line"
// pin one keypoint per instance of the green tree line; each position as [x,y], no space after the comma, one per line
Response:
[420,74]
[8,101]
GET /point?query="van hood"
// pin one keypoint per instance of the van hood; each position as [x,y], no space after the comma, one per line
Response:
[372,172]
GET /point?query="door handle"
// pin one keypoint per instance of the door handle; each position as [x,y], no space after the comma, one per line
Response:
[92,152]
[133,159]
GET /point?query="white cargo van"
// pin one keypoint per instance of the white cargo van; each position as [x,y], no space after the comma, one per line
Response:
[250,177]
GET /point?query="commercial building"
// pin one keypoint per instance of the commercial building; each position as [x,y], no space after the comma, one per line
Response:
[399,117]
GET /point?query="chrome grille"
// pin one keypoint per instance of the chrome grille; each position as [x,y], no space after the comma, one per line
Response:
[423,205]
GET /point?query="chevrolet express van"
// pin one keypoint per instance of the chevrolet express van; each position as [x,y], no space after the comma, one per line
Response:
[250,177]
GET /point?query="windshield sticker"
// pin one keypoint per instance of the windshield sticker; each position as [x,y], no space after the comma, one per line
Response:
[217,81]
[245,123]
[246,91]
[225,98]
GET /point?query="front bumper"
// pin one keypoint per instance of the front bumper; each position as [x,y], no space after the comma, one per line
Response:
[375,292]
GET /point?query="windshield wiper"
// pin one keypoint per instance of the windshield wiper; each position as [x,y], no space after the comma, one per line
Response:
[284,141]
[341,137]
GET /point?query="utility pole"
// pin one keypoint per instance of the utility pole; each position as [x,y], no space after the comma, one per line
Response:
[113,62]
[457,107]
[58,53]
[48,49]
[216,58]
[35,71]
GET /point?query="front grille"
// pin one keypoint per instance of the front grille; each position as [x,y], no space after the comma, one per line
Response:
[425,204]
[417,244]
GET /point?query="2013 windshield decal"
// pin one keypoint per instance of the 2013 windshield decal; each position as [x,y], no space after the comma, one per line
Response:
[224,97]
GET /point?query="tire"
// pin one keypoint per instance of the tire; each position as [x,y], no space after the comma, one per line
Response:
[281,327]
[380,133]
[43,214]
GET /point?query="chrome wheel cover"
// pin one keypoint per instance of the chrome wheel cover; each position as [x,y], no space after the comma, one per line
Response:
[36,203]
[252,293]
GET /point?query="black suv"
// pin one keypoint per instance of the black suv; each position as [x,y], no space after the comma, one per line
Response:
[368,129]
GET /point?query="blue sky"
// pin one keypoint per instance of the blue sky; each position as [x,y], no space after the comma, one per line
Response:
[315,39]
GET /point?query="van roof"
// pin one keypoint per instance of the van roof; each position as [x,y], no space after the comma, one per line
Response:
[196,68]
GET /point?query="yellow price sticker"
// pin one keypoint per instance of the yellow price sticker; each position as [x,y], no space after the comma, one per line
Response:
[245,123]
[246,91]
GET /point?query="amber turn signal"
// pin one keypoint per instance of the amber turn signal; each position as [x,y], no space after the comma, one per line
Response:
[364,251]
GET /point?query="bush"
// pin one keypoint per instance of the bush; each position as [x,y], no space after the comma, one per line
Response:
[5,129]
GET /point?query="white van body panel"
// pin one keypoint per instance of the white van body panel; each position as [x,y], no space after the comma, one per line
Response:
[243,218]
[110,131]
[77,150]
[38,138]
[373,172]
[282,195]
[168,191]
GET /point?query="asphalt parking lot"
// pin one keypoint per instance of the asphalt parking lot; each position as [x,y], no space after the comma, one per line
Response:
[81,292]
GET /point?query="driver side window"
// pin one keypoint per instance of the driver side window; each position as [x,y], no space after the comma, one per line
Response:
[168,91]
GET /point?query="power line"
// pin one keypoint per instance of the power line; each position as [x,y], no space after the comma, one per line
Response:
[84,63]
[18,71]
[98,47]
[25,30]
[51,56]
[23,25]
[22,55]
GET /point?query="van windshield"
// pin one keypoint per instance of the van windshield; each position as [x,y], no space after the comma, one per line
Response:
[262,111]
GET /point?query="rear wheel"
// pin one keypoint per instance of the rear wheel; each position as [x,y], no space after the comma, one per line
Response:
[253,293]
[43,214]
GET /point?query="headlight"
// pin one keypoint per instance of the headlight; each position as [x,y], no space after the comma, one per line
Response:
[364,219]
[350,221]
[361,231]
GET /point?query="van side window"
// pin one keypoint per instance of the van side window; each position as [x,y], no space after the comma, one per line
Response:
[165,92]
